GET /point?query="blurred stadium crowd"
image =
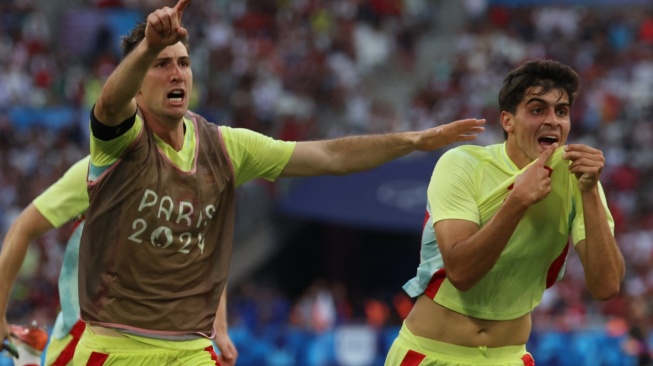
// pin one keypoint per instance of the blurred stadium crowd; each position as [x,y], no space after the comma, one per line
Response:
[301,69]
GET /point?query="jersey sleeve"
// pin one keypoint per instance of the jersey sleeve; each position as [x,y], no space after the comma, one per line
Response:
[67,198]
[254,155]
[106,152]
[451,191]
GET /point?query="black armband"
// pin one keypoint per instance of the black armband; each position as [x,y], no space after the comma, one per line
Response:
[106,133]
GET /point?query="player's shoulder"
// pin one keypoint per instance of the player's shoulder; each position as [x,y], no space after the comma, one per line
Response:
[197,122]
[78,170]
[196,118]
[469,153]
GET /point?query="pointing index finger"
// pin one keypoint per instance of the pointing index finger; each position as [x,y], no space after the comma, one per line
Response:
[546,154]
[181,5]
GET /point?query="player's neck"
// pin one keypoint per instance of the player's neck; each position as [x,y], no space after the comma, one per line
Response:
[517,155]
[168,130]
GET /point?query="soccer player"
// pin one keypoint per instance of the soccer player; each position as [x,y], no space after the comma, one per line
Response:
[65,200]
[499,222]
[156,247]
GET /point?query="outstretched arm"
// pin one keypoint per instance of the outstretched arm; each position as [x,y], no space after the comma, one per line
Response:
[29,225]
[356,153]
[602,260]
[116,102]
[228,351]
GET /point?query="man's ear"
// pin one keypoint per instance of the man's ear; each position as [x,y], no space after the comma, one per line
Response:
[506,121]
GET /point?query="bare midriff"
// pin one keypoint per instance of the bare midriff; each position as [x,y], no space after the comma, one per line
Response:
[433,321]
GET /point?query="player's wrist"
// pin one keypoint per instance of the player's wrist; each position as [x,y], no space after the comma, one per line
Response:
[149,49]
[519,201]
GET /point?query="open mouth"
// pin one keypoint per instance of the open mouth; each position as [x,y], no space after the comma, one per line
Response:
[176,96]
[547,140]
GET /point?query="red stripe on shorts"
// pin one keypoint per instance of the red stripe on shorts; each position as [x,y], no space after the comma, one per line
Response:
[412,358]
[528,360]
[434,285]
[214,356]
[97,359]
[67,354]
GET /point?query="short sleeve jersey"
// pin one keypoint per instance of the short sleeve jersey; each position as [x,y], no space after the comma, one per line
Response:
[470,183]
[67,198]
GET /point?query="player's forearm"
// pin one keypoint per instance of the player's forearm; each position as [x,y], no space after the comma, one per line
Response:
[116,101]
[29,225]
[14,249]
[475,256]
[364,152]
[604,264]
[347,154]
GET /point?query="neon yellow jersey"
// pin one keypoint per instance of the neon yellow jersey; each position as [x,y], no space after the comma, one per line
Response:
[67,198]
[470,183]
[252,154]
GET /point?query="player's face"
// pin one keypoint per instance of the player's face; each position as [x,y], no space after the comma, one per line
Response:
[538,122]
[167,86]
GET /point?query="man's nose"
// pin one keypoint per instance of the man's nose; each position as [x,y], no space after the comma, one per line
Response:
[176,74]
[552,119]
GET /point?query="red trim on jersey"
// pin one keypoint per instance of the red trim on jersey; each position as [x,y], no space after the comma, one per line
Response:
[426,219]
[76,224]
[412,358]
[549,169]
[67,354]
[554,268]
[434,285]
[214,356]
[528,360]
[97,359]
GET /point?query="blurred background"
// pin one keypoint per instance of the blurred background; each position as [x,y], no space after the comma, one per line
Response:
[319,263]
